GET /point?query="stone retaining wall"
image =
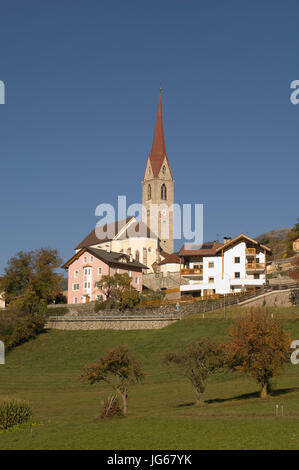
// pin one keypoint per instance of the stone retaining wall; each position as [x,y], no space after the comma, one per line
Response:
[77,310]
[64,323]
[271,299]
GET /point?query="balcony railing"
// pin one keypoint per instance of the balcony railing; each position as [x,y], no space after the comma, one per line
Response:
[250,251]
[193,271]
[255,266]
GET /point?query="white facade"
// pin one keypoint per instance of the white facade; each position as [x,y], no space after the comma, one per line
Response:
[233,268]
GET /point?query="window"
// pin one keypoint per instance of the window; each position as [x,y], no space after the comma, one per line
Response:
[211,264]
[117,270]
[164,169]
[76,286]
[211,279]
[149,192]
[237,275]
[76,273]
[256,276]
[130,273]
[85,259]
[163,192]
[91,259]
[86,271]
[75,300]
[85,285]
[99,270]
[237,259]
[137,255]
[99,297]
[137,281]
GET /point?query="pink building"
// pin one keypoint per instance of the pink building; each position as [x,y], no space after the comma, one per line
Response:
[87,267]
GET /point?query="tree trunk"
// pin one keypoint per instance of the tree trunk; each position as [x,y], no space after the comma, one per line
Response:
[264,390]
[125,403]
[198,397]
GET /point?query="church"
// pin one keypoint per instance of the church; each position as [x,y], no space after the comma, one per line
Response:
[136,247]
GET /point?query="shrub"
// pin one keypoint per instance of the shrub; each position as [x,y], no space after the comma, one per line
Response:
[111,408]
[58,311]
[128,299]
[13,411]
[104,305]
[294,296]
[60,299]
[16,329]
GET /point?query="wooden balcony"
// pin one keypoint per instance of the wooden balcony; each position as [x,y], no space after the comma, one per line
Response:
[250,251]
[255,266]
[192,272]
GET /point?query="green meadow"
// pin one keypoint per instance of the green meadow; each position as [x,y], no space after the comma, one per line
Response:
[162,415]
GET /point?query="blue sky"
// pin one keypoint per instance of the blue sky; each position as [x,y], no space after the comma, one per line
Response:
[82,81]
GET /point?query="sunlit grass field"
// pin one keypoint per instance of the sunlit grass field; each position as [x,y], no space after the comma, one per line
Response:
[46,372]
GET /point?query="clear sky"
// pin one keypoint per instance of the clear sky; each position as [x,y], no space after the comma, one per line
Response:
[82,81]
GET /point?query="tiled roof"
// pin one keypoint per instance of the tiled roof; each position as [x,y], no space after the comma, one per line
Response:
[109,257]
[135,229]
[172,258]
[206,249]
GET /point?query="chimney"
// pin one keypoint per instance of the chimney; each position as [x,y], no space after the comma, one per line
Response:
[226,239]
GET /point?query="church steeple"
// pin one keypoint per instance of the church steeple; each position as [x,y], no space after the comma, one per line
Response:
[158,152]
[158,188]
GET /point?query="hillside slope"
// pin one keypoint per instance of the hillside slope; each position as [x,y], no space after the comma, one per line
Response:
[276,240]
[161,412]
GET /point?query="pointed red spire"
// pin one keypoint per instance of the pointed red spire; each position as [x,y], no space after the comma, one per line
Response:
[158,147]
[158,152]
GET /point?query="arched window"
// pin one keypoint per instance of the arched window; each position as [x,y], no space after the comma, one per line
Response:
[163,192]
[149,192]
[137,255]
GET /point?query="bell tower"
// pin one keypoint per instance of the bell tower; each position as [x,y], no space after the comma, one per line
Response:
[158,188]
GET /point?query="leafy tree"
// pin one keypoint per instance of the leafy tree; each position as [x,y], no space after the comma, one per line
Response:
[119,291]
[118,368]
[32,271]
[259,347]
[294,271]
[197,363]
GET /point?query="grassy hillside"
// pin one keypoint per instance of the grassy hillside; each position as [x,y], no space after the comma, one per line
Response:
[161,412]
[277,241]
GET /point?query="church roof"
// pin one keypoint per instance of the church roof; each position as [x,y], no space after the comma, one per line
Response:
[134,229]
[93,239]
[158,152]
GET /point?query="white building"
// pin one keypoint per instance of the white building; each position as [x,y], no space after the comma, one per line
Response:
[221,268]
